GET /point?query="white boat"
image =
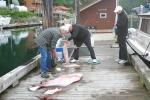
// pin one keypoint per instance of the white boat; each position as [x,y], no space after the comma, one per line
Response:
[4,20]
[139,39]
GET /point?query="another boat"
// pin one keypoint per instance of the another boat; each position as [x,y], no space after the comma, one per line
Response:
[4,20]
[139,39]
[4,36]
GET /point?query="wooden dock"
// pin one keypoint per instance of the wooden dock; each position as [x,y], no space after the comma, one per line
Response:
[19,25]
[106,81]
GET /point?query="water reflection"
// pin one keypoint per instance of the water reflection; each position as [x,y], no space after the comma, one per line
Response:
[17,38]
[4,36]
[16,47]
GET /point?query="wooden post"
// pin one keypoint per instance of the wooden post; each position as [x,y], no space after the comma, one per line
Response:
[51,13]
[8,4]
[77,6]
[47,13]
[48,21]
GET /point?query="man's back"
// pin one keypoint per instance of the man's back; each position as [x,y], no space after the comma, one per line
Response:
[79,31]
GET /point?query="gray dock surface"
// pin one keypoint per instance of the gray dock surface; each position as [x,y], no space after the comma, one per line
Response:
[106,81]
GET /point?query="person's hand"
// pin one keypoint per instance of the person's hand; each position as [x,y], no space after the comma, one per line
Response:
[67,42]
[56,55]
[114,28]
[75,47]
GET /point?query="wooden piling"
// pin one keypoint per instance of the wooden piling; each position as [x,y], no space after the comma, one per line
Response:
[47,13]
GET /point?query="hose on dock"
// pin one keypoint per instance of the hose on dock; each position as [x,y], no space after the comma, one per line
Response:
[90,60]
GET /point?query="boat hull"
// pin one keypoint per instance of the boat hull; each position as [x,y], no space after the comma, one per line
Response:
[140,43]
[5,21]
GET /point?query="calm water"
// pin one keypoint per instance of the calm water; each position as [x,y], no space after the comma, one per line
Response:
[16,47]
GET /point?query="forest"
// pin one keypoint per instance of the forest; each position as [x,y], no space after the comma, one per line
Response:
[129,4]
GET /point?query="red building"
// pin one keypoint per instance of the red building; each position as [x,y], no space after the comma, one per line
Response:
[61,8]
[33,5]
[99,14]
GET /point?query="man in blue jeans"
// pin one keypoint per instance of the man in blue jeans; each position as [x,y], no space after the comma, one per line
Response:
[46,41]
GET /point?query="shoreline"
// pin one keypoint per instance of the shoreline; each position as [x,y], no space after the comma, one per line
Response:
[19,25]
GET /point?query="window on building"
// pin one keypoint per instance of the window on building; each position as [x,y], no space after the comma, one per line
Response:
[103,15]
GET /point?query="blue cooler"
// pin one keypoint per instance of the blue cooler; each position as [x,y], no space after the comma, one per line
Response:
[59,50]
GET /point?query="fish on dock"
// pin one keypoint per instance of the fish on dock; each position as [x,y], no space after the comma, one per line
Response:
[71,66]
[63,80]
[67,58]
[53,91]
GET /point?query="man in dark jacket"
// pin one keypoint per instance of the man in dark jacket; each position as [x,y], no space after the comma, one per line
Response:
[46,41]
[122,30]
[80,35]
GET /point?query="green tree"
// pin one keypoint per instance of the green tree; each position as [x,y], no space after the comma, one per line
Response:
[84,2]
[129,4]
[70,3]
[67,3]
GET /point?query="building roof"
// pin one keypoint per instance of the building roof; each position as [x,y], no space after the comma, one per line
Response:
[61,8]
[89,5]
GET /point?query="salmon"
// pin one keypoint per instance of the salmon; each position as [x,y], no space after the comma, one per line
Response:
[67,58]
[63,80]
[71,66]
[65,52]
[53,91]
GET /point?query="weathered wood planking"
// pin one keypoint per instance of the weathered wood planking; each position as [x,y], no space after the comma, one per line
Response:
[101,31]
[106,81]
[12,78]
